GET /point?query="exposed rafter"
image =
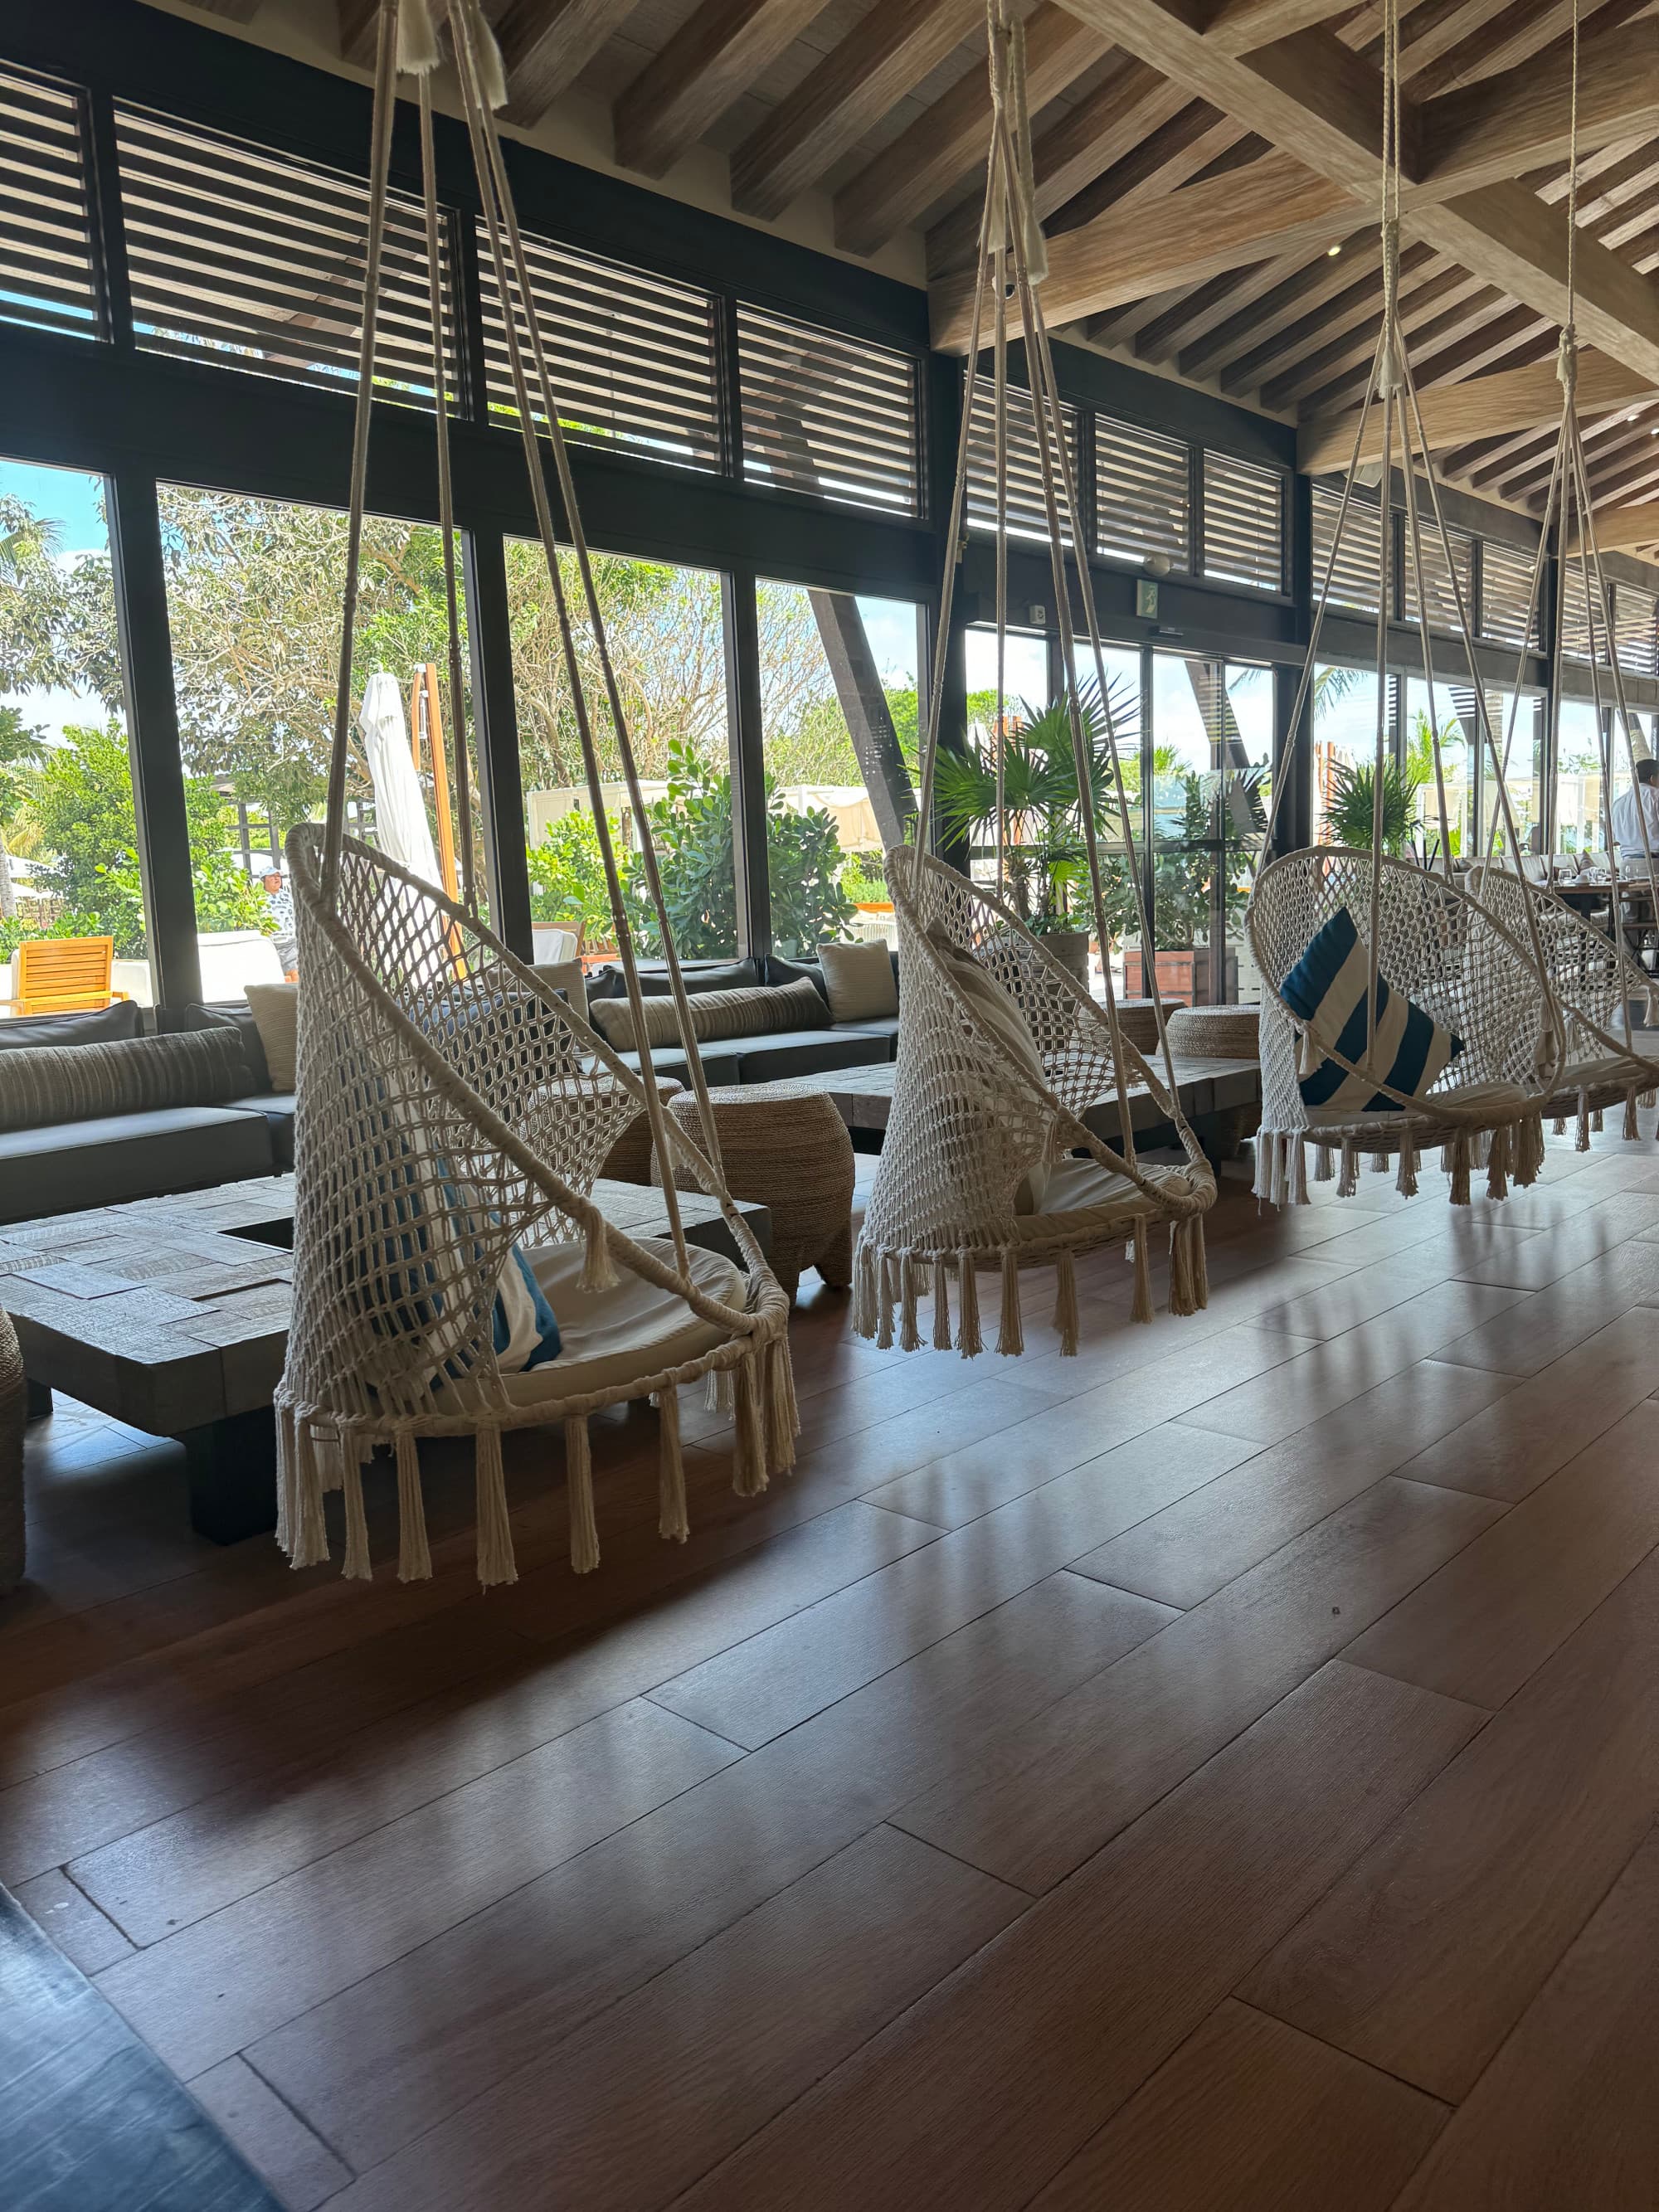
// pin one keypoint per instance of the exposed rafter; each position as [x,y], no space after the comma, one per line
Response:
[1512,399]
[708,63]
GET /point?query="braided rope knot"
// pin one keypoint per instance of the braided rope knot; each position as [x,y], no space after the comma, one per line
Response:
[1566,360]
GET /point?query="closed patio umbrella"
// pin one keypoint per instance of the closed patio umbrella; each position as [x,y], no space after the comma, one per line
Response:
[401,828]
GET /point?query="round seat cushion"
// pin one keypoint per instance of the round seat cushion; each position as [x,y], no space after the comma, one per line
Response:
[609,1337]
[1091,1197]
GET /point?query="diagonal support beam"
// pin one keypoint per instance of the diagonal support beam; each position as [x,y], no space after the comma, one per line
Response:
[1521,118]
[1621,529]
[1274,205]
[1485,407]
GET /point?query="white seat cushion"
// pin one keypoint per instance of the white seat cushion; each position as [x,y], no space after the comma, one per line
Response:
[1496,1102]
[611,1336]
[1092,1197]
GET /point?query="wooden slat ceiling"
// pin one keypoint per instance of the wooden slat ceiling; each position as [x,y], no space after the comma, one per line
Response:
[1208,171]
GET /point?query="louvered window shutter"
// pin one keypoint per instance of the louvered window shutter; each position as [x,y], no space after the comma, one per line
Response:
[255,261]
[1633,626]
[1027,514]
[1437,577]
[1575,619]
[1505,589]
[47,276]
[828,416]
[1354,579]
[631,356]
[1141,495]
[1243,524]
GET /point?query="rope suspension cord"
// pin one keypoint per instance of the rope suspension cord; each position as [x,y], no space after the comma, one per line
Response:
[999,280]
[446,497]
[505,240]
[380,163]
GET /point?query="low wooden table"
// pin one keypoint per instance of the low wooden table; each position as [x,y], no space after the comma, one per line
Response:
[172,1314]
[863,1097]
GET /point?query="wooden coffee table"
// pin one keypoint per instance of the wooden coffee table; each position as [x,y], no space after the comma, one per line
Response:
[172,1314]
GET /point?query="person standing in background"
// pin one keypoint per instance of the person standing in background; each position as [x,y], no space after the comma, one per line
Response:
[280,901]
[1627,822]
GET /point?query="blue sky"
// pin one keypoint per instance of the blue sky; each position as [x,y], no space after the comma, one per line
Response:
[71,500]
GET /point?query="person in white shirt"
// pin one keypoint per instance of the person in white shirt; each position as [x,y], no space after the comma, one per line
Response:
[1627,823]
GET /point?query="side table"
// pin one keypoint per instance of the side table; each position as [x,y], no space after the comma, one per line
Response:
[788,1151]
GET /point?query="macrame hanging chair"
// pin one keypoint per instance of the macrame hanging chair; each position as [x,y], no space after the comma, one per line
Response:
[453,1111]
[1361,1073]
[989,1161]
[1594,981]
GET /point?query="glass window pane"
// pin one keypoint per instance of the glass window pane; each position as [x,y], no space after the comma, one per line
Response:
[666,631]
[1579,826]
[254,605]
[1516,724]
[839,705]
[1457,763]
[68,835]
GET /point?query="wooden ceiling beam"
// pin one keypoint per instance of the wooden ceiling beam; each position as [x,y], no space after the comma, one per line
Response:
[886,57]
[1489,130]
[1622,529]
[357,20]
[1192,234]
[711,60]
[1355,342]
[1236,26]
[1512,399]
[1129,104]
[1183,151]
[545,46]
[942,146]
[1312,92]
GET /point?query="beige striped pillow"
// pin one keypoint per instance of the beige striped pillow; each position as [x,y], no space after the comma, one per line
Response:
[756,1010]
[42,1085]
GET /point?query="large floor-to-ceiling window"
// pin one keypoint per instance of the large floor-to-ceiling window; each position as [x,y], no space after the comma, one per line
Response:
[70,843]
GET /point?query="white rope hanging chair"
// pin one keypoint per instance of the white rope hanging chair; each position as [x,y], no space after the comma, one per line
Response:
[1466,971]
[1595,983]
[453,1112]
[1420,938]
[981,1163]
[986,1161]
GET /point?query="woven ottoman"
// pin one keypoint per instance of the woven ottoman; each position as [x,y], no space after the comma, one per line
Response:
[14,1410]
[630,1158]
[1137,1022]
[1221,1033]
[791,1154]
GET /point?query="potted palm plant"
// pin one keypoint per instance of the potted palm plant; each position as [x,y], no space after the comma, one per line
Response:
[1046,864]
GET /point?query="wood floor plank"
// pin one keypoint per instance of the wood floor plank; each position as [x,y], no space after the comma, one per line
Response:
[1478,1628]
[1510,1447]
[755,1690]
[162,1876]
[984,1406]
[1426,1953]
[387,2058]
[303,2171]
[1555,1319]
[1249,2116]
[984,2089]
[1371,1290]
[1318,1380]
[676,2078]
[1532,1262]
[1567,2113]
[87,1938]
[1070,1431]
[212,1988]
[1188,1551]
[1099,1758]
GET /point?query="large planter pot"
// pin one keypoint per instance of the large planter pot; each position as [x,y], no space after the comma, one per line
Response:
[1185,978]
[1071,948]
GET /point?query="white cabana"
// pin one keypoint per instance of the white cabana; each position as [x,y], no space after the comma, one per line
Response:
[401,828]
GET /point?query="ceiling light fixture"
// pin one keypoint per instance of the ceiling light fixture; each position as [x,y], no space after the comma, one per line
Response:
[1331,252]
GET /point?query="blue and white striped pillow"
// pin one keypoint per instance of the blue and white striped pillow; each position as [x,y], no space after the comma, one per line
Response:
[1326,990]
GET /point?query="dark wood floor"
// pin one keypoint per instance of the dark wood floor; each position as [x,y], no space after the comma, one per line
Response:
[1219,1771]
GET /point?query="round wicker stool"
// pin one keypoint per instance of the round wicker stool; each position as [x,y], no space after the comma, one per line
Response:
[1216,1032]
[630,1158]
[14,1408]
[790,1153]
[1137,1022]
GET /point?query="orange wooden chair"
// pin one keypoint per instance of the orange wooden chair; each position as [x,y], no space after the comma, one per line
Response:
[56,974]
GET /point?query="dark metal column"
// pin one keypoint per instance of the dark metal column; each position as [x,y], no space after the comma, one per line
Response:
[744,720]
[495,723]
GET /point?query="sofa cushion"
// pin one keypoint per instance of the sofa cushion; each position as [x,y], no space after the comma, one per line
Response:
[85,1082]
[730,976]
[860,980]
[79,1164]
[806,1051]
[719,1066]
[780,970]
[756,1010]
[880,1026]
[93,1025]
[276,1011]
[237,1018]
[277,1108]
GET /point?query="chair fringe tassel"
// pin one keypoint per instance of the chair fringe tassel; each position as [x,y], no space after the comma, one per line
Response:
[672,1522]
[579,1497]
[909,1334]
[719,1392]
[1405,1180]
[495,1561]
[1648,1098]
[969,1342]
[1497,1164]
[1558,1127]
[782,1414]
[357,1566]
[749,1464]
[864,1290]
[885,1263]
[1595,1121]
[1281,1168]
[1348,1181]
[414,1553]
[599,1269]
[1581,1143]
[287,1514]
[1011,1323]
[1324,1165]
[941,1303]
[310,1537]
[1140,1246]
[1190,1283]
[1379,1164]
[1066,1316]
[1296,1184]
[1462,1153]
[1528,1151]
